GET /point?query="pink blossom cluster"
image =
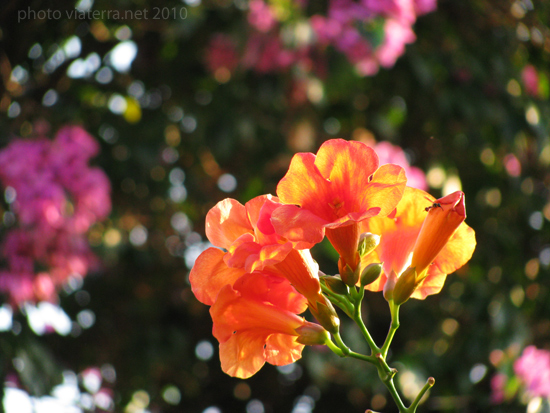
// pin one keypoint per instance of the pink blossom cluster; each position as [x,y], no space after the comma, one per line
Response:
[370,33]
[55,196]
[533,370]
[530,80]
[388,153]
[350,25]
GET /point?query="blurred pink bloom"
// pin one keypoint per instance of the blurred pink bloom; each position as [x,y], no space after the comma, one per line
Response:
[398,33]
[56,197]
[221,53]
[265,53]
[388,153]
[347,27]
[533,370]
[498,382]
[530,79]
[370,33]
[425,6]
[74,143]
[512,165]
[260,16]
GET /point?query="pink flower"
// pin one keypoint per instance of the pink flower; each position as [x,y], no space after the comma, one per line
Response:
[425,6]
[265,53]
[221,54]
[388,153]
[498,382]
[398,33]
[533,370]
[56,198]
[530,79]
[260,16]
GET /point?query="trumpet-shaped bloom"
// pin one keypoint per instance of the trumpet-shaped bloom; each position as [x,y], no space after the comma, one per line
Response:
[423,233]
[251,244]
[255,322]
[333,191]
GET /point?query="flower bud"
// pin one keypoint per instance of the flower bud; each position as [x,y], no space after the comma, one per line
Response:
[336,285]
[312,334]
[326,315]
[389,286]
[370,273]
[367,243]
[443,218]
[405,286]
[348,276]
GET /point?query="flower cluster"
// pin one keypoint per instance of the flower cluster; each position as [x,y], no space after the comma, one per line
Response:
[532,369]
[369,33]
[54,197]
[260,275]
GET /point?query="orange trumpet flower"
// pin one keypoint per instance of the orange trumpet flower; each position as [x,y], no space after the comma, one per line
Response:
[255,322]
[332,192]
[423,234]
[246,234]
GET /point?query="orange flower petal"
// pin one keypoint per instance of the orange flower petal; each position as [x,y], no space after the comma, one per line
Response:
[210,274]
[298,225]
[399,236]
[255,302]
[348,166]
[270,287]
[302,272]
[253,324]
[385,190]
[255,205]
[339,185]
[432,284]
[304,185]
[282,349]
[457,252]
[398,233]
[243,354]
[226,222]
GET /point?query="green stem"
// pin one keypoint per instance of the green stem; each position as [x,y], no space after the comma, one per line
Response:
[359,321]
[340,343]
[338,300]
[334,348]
[429,384]
[387,379]
[394,309]
[370,359]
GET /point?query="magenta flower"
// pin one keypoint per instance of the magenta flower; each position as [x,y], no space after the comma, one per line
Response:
[533,370]
[56,197]
[388,153]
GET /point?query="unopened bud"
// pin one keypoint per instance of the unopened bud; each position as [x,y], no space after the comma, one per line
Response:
[336,285]
[348,276]
[326,315]
[312,334]
[405,286]
[367,243]
[389,286]
[370,273]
